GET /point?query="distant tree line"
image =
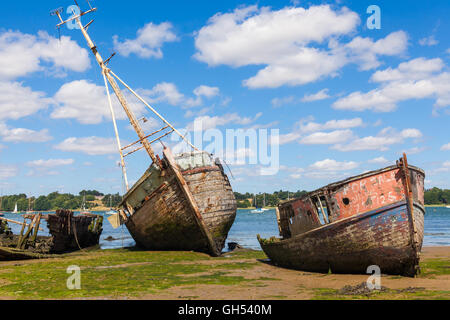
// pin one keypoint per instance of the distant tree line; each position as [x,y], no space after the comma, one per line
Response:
[434,196]
[437,196]
[112,200]
[94,193]
[56,200]
[247,200]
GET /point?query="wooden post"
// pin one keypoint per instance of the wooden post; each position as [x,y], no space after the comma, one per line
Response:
[16,222]
[36,229]
[323,212]
[410,202]
[279,221]
[23,241]
[21,232]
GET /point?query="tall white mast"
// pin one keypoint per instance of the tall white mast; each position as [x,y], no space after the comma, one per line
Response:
[109,78]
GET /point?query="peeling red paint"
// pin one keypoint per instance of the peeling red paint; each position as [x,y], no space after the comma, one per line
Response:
[372,219]
[369,193]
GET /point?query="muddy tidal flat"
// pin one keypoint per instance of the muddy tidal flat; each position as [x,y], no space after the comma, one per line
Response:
[239,275]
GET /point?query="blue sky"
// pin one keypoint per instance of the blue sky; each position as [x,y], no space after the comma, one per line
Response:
[345,98]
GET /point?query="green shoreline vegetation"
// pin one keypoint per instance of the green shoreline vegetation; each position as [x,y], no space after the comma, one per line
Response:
[180,275]
[96,200]
[56,200]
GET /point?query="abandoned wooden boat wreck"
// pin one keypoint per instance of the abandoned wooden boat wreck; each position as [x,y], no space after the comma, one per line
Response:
[376,218]
[183,201]
[68,233]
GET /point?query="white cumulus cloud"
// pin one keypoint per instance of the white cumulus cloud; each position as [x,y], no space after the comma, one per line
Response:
[23,135]
[379,160]
[88,103]
[93,146]
[294,45]
[338,136]
[428,41]
[333,165]
[211,122]
[416,79]
[22,54]
[321,95]
[382,141]
[148,41]
[51,163]
[18,101]
[8,171]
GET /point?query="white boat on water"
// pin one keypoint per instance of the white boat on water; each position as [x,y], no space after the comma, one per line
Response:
[83,206]
[15,209]
[448,207]
[111,211]
[30,207]
[260,210]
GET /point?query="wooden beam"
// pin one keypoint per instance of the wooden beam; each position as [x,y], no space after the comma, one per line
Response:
[36,229]
[323,212]
[23,241]
[191,201]
[16,222]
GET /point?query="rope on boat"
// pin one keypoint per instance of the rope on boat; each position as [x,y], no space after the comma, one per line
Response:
[74,229]
[154,111]
[229,169]
[113,116]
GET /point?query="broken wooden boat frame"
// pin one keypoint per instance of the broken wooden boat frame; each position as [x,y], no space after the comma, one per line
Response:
[65,236]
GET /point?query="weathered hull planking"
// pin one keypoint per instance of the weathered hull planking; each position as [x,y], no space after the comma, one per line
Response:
[187,205]
[367,221]
[68,233]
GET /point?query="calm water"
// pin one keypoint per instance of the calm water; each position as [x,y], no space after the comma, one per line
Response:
[248,225]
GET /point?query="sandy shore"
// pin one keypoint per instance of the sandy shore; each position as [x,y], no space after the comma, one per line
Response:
[239,275]
[298,285]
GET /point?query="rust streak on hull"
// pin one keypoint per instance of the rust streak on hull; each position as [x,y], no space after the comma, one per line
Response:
[386,231]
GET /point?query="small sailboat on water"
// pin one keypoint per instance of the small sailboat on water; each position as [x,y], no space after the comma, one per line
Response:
[30,207]
[15,209]
[183,201]
[111,211]
[83,206]
[262,209]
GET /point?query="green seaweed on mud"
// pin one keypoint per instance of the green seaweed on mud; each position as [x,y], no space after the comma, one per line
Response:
[434,267]
[271,240]
[118,273]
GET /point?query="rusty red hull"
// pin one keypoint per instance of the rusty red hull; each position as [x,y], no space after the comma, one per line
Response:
[380,237]
[368,220]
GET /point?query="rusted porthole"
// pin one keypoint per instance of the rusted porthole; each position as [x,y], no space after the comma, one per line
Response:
[346,201]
